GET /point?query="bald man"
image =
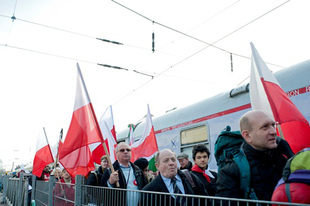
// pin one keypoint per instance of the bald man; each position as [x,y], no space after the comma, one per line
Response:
[265,156]
[168,179]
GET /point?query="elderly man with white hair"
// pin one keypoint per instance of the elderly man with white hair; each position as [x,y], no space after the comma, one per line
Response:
[173,181]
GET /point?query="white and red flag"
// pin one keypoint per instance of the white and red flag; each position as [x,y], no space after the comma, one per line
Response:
[147,146]
[43,155]
[75,154]
[107,127]
[267,95]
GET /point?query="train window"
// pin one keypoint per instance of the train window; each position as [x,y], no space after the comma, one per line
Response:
[194,135]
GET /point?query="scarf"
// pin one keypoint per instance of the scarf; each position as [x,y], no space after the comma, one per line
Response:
[195,168]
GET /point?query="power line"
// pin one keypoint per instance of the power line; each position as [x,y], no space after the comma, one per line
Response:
[94,63]
[199,41]
[218,13]
[161,73]
[209,44]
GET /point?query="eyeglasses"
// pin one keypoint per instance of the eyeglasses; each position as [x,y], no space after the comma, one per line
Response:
[123,150]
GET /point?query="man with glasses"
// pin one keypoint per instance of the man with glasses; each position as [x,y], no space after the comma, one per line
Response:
[127,175]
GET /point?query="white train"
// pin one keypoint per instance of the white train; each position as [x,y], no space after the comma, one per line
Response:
[202,122]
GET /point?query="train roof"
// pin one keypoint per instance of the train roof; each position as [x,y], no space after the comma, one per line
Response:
[298,76]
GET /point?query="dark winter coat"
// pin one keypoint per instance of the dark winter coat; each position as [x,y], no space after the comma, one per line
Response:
[210,186]
[120,196]
[158,185]
[266,170]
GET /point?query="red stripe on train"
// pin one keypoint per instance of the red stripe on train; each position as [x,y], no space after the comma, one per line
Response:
[294,92]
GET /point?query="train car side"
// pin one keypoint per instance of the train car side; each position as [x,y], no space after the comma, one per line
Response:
[202,122]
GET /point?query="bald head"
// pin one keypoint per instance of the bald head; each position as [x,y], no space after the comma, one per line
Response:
[120,145]
[258,130]
[123,153]
[166,163]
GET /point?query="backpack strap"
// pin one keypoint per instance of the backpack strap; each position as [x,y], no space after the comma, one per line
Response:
[245,174]
[287,192]
[189,177]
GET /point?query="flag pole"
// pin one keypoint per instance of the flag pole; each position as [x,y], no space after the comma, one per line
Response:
[56,160]
[280,131]
[109,159]
[107,154]
[57,154]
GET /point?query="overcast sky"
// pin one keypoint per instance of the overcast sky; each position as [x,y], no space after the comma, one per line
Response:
[40,48]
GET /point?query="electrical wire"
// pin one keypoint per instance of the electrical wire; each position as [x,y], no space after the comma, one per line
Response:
[212,44]
[161,73]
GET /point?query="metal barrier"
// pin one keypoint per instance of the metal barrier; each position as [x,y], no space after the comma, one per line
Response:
[51,193]
[16,190]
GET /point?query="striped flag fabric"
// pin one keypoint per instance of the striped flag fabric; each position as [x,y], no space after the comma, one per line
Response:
[75,154]
[107,127]
[147,146]
[267,95]
[43,154]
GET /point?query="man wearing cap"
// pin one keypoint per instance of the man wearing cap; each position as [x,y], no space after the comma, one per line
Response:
[184,162]
[143,164]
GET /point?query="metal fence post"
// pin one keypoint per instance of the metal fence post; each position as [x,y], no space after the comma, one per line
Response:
[78,190]
[20,189]
[5,187]
[33,190]
[26,188]
[50,190]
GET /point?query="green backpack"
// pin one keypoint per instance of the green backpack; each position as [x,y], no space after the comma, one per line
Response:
[227,149]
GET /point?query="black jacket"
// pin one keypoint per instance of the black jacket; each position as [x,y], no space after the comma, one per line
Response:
[158,185]
[188,167]
[266,170]
[210,186]
[120,196]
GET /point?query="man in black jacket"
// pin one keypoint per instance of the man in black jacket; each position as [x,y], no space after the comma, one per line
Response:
[172,181]
[201,156]
[264,154]
[127,175]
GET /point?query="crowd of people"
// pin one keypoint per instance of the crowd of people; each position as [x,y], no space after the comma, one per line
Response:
[267,158]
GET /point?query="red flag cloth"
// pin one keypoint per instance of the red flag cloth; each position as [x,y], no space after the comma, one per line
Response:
[267,95]
[75,154]
[147,145]
[107,127]
[43,155]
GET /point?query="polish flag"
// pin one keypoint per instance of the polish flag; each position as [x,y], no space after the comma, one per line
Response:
[107,127]
[147,145]
[43,155]
[267,95]
[75,154]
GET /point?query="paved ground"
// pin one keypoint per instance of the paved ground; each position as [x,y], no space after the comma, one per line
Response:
[2,199]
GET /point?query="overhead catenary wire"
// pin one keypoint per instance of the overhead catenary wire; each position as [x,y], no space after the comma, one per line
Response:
[161,73]
[209,44]
[89,62]
[218,13]
[170,28]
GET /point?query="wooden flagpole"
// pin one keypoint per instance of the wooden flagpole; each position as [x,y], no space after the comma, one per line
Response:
[108,156]
[57,155]
[109,159]
[56,160]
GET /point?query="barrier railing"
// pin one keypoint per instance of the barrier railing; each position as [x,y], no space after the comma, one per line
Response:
[55,193]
